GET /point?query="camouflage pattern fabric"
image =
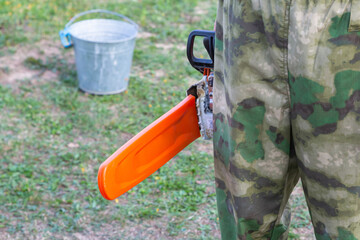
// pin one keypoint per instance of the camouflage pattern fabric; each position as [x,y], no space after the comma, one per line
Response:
[287,106]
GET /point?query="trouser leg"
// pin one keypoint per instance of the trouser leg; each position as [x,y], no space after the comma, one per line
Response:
[324,62]
[255,169]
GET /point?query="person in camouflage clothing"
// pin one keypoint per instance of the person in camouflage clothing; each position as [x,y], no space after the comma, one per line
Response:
[287,106]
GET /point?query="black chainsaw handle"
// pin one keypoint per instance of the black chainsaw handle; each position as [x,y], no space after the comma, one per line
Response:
[209,41]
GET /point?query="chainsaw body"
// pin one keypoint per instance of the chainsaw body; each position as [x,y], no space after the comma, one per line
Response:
[203,90]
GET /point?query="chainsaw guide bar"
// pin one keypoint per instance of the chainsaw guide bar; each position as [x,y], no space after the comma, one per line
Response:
[159,142]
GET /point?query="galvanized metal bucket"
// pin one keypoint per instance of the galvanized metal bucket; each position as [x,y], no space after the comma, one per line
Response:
[103,51]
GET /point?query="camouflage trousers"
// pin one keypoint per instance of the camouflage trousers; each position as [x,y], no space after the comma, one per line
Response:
[287,106]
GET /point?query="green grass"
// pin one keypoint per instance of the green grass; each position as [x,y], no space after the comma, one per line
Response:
[300,215]
[53,137]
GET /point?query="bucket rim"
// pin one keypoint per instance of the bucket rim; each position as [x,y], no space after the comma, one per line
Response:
[72,20]
[102,92]
[128,38]
[65,35]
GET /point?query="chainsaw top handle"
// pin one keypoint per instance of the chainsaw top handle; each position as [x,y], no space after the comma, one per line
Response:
[209,41]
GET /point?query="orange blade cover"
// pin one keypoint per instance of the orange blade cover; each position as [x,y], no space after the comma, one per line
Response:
[149,150]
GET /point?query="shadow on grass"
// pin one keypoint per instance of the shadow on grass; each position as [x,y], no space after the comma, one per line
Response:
[66,70]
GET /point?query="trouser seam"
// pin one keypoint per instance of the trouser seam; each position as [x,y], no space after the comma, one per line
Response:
[284,35]
[285,56]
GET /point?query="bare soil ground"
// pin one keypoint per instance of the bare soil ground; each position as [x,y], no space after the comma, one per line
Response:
[13,70]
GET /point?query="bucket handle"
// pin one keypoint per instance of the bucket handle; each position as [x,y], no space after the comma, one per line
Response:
[65,34]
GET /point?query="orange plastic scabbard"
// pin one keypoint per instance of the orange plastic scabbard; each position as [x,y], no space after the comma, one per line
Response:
[149,150]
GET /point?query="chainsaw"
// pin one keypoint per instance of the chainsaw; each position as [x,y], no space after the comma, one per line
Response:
[159,142]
